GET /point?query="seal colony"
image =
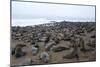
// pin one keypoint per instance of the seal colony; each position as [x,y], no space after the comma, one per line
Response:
[57,42]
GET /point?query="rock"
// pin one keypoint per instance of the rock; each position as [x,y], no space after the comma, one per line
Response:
[44,56]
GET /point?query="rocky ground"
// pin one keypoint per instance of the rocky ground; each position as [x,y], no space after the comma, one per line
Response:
[58,42]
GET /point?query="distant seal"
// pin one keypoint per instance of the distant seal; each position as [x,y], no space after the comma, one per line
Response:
[44,56]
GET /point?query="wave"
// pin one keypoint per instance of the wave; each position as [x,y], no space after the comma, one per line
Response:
[30,22]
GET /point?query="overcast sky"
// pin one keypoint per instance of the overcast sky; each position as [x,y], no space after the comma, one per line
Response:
[29,13]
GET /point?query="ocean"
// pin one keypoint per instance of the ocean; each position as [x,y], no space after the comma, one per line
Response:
[31,22]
